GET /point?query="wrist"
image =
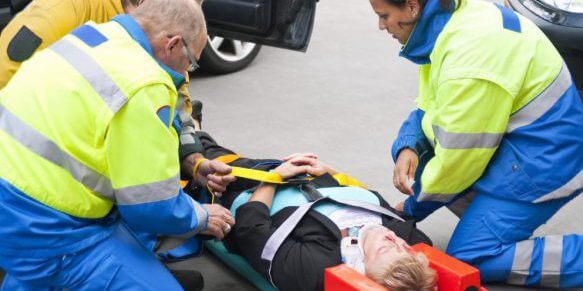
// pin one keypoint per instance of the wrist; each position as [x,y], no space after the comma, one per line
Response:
[196,166]
[266,185]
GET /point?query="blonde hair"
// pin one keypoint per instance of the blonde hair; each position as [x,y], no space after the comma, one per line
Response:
[404,272]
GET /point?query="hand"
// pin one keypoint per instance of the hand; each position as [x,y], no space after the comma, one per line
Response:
[401,206]
[215,175]
[304,164]
[404,172]
[293,167]
[220,221]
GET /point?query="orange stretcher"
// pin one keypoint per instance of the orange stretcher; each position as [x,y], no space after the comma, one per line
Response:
[453,275]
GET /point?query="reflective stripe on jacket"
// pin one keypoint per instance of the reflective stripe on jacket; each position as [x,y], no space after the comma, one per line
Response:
[500,108]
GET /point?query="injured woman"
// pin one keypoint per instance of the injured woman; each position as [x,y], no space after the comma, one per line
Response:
[311,217]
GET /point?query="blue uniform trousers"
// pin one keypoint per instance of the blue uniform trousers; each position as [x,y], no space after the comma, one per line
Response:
[119,262]
[494,235]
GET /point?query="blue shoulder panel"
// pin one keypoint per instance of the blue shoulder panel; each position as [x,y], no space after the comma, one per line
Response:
[89,35]
[510,20]
[164,114]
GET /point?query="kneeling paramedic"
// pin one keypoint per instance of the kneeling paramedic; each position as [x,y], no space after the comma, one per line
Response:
[347,224]
[88,151]
[499,119]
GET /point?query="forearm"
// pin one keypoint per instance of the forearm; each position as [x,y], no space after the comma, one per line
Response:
[411,135]
[177,215]
[264,194]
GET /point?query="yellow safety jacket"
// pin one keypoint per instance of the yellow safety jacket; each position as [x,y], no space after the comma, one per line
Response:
[500,109]
[42,23]
[88,133]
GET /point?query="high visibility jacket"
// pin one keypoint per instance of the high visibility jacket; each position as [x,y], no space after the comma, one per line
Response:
[44,22]
[94,130]
[497,107]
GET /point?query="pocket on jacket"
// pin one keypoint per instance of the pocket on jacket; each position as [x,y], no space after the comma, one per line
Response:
[519,182]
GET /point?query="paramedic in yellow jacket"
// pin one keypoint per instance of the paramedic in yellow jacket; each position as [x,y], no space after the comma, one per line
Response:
[88,150]
[43,22]
[498,115]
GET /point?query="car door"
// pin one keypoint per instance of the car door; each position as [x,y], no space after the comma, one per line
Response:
[280,23]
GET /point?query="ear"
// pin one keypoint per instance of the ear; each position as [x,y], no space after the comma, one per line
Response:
[414,7]
[173,42]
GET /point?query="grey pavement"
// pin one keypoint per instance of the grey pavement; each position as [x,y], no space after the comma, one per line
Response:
[344,100]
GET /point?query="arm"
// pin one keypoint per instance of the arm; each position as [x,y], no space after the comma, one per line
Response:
[411,136]
[213,174]
[143,166]
[470,119]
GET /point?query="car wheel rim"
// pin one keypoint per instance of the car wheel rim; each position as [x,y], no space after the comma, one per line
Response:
[230,50]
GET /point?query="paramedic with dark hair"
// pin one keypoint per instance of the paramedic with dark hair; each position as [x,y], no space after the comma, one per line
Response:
[498,118]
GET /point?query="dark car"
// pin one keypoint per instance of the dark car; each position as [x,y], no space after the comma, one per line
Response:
[562,22]
[237,28]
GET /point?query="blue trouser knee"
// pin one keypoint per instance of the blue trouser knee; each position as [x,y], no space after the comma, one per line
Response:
[117,263]
[494,233]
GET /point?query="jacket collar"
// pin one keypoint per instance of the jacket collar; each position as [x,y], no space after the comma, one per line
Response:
[422,39]
[136,32]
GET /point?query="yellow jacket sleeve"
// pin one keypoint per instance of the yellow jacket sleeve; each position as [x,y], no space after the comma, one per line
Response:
[142,157]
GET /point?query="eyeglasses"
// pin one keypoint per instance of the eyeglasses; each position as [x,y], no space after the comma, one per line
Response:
[193,63]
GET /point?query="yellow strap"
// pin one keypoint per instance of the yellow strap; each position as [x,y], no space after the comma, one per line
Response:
[227,158]
[274,178]
[257,175]
[346,180]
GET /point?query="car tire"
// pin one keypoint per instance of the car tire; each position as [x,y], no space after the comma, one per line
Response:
[223,56]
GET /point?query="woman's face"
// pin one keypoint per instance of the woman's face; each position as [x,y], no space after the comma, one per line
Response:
[380,243]
[397,21]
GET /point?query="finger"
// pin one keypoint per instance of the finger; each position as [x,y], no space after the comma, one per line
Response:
[214,229]
[300,170]
[302,160]
[220,168]
[216,183]
[412,168]
[401,182]
[230,220]
[403,179]
[226,228]
[395,174]
[400,206]
[289,157]
[223,180]
[216,188]
[309,155]
[316,171]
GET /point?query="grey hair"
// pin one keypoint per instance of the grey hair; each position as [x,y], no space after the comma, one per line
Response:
[183,17]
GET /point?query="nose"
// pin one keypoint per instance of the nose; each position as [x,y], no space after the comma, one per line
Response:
[382,25]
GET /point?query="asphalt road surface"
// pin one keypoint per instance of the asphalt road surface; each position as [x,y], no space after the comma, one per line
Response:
[344,100]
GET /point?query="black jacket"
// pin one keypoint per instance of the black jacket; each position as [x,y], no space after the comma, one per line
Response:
[313,245]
